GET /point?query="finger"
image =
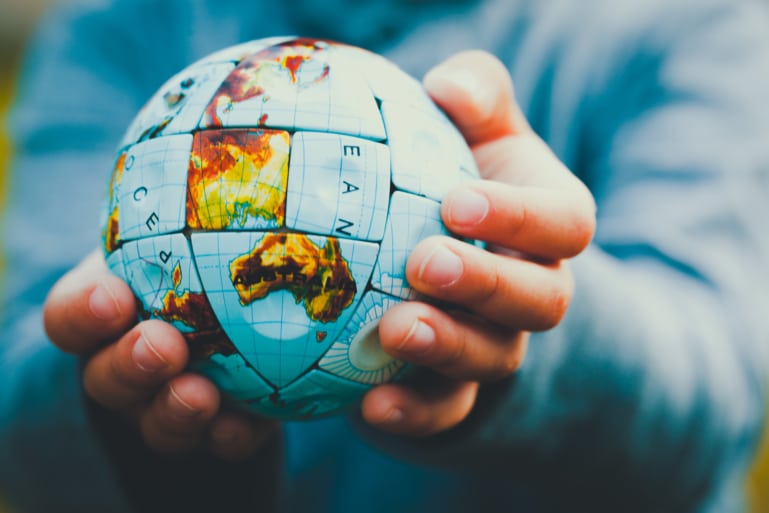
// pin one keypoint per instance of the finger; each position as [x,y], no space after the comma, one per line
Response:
[127,373]
[513,292]
[87,306]
[475,90]
[528,160]
[421,411]
[458,346]
[179,416]
[545,223]
[235,437]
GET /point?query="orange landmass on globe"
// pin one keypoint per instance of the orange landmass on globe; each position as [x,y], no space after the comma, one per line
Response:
[236,176]
[193,310]
[318,277]
[275,67]
[110,234]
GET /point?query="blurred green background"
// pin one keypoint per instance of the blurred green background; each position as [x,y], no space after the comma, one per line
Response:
[17,18]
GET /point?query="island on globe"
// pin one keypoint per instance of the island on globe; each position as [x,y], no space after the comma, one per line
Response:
[264,202]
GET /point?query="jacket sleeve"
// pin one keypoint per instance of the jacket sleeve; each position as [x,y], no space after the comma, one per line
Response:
[653,388]
[90,67]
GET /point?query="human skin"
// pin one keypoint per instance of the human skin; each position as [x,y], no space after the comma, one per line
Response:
[530,210]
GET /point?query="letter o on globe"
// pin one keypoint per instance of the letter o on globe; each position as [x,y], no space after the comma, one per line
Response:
[264,202]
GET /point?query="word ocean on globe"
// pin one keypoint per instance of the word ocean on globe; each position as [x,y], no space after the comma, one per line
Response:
[264,202]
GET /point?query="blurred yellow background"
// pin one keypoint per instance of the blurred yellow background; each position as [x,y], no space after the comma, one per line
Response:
[16,19]
[758,482]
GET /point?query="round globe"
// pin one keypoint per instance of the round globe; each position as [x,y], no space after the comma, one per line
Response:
[264,202]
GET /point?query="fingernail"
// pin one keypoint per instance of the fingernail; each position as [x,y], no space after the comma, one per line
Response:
[146,357]
[419,339]
[179,408]
[468,208]
[103,304]
[394,416]
[441,268]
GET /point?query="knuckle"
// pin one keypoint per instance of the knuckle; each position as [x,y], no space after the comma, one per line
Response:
[582,231]
[458,406]
[455,351]
[50,325]
[583,220]
[555,306]
[488,286]
[517,219]
[121,371]
[509,364]
[60,324]
[513,357]
[93,388]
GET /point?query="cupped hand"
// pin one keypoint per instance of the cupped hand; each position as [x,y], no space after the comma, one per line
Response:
[138,370]
[534,215]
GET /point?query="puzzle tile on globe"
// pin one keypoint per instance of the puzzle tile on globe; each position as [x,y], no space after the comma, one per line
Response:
[179,104]
[315,394]
[468,168]
[115,264]
[233,376]
[237,53]
[426,151]
[387,81]
[282,298]
[110,229]
[412,218]
[153,189]
[297,85]
[237,179]
[338,185]
[162,274]
[357,353]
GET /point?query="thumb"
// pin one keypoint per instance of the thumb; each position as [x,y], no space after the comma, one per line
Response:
[475,90]
[87,306]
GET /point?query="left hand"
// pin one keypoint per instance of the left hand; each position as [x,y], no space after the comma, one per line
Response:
[138,371]
[534,215]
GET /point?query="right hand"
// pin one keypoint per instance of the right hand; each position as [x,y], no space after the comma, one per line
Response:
[138,370]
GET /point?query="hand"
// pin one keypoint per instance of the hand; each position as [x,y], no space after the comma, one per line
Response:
[533,214]
[137,370]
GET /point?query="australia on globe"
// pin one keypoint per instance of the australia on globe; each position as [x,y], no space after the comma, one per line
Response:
[264,202]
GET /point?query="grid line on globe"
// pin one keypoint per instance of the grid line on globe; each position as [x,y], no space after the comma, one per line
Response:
[264,201]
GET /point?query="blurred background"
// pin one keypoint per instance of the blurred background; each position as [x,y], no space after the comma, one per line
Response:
[17,19]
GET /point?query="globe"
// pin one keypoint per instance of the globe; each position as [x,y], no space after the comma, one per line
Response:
[264,201]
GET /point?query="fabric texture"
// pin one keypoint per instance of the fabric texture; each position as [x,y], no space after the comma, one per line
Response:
[649,396]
